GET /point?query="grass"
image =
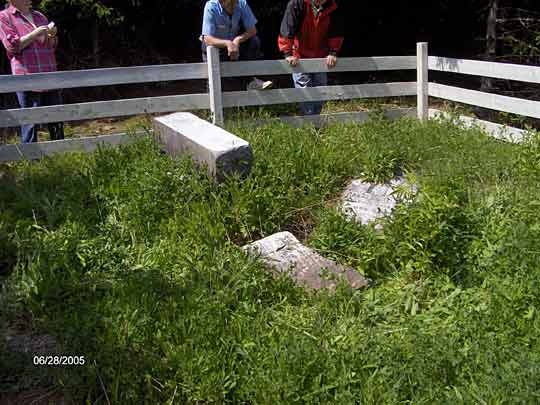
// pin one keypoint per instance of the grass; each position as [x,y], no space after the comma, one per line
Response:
[131,259]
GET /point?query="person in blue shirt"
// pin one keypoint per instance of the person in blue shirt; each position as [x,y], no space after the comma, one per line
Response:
[231,26]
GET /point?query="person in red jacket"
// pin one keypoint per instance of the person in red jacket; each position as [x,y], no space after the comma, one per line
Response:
[311,29]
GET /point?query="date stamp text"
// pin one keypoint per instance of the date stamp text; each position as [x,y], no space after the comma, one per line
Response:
[59,360]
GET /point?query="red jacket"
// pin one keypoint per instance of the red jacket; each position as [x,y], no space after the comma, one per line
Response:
[305,35]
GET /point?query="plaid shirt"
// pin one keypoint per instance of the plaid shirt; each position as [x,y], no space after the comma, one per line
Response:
[38,56]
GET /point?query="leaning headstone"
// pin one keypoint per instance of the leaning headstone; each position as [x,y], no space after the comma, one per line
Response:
[220,151]
[365,202]
[283,253]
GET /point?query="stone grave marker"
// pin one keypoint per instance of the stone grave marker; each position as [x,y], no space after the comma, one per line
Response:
[283,253]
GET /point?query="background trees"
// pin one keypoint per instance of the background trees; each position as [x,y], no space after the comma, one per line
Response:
[131,32]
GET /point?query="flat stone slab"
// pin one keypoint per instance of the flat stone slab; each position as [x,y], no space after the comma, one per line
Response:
[283,253]
[222,152]
[365,202]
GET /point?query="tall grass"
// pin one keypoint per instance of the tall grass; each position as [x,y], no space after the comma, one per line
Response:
[131,259]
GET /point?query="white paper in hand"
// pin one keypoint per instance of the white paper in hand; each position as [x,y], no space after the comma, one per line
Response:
[51,25]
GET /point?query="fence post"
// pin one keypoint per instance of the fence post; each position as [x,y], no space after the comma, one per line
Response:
[422,80]
[214,85]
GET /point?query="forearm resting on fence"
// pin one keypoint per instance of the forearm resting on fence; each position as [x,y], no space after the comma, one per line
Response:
[217,42]
[246,35]
[31,37]
[224,43]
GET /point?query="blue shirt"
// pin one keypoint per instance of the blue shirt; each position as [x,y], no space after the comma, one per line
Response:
[217,23]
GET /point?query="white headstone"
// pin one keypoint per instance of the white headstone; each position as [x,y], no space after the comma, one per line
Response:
[222,152]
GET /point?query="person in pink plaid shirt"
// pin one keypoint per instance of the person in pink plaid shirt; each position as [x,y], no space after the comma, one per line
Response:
[30,42]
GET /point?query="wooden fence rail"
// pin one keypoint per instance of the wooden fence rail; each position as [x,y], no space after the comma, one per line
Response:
[513,105]
[103,109]
[325,93]
[281,67]
[508,71]
[102,77]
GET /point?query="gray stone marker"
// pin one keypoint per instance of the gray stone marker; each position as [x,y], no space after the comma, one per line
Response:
[283,253]
[365,202]
[222,152]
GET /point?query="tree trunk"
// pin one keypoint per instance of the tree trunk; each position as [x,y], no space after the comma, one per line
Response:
[97,91]
[491,42]
[490,55]
[95,43]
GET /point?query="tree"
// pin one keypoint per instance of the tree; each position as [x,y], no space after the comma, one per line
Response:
[96,13]
[513,36]
[519,33]
[491,41]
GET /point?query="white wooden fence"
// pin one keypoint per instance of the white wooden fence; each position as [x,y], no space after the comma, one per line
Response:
[216,100]
[522,73]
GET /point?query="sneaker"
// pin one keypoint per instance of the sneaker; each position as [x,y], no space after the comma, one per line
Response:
[257,84]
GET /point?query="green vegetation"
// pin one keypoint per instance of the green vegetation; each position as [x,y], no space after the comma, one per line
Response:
[131,259]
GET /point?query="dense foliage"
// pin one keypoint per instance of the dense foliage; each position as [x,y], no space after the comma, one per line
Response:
[132,259]
[144,31]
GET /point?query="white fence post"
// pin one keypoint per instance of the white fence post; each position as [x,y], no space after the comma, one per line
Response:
[422,80]
[214,85]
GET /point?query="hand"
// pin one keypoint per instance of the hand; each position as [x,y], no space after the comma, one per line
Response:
[39,34]
[331,61]
[293,60]
[233,50]
[52,32]
[237,41]
[41,30]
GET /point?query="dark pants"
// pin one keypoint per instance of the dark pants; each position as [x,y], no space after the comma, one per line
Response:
[249,50]
[29,99]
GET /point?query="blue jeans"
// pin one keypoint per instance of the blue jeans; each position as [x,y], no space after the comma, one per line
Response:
[305,80]
[249,50]
[30,99]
